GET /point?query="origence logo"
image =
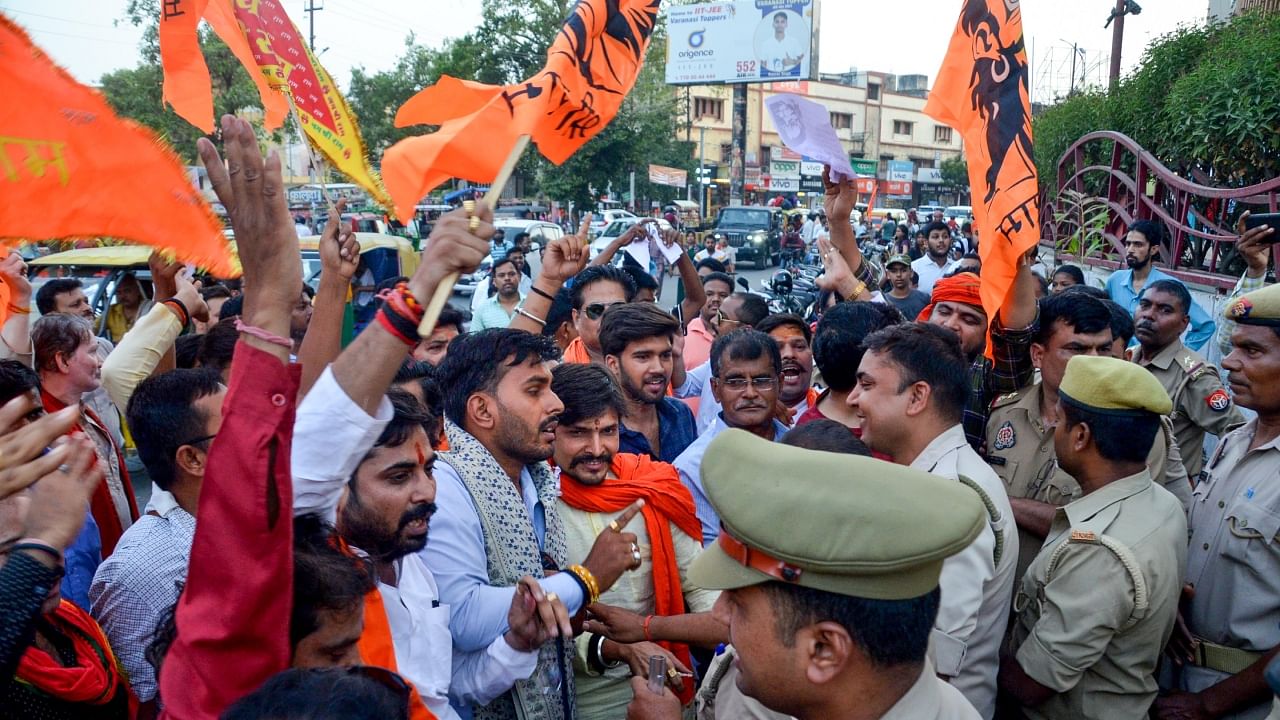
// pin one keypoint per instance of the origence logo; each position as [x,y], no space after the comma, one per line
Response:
[696,38]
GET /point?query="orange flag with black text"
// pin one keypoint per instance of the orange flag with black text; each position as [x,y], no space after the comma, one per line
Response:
[591,66]
[270,47]
[70,168]
[982,92]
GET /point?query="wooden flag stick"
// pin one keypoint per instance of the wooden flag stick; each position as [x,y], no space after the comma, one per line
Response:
[445,289]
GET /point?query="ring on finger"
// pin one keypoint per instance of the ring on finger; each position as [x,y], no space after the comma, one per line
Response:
[469,207]
[552,597]
[613,525]
[64,468]
[473,224]
[673,673]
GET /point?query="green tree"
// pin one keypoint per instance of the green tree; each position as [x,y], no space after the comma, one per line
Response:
[955,175]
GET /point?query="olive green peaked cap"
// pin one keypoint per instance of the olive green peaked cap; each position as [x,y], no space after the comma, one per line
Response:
[841,523]
[1260,307]
[1112,386]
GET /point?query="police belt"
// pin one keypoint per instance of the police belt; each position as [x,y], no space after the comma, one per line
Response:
[1222,658]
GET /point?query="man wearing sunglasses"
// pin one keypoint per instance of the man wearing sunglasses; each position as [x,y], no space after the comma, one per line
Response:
[594,291]
[746,374]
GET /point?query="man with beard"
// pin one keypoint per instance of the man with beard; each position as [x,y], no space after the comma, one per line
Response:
[910,396]
[498,520]
[637,341]
[1141,245]
[649,606]
[361,458]
[746,370]
[935,263]
[793,336]
[1200,403]
[497,311]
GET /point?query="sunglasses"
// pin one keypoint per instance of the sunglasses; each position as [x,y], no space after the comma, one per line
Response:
[595,310]
[723,319]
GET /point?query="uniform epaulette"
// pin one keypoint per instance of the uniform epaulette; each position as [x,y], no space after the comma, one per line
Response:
[1009,398]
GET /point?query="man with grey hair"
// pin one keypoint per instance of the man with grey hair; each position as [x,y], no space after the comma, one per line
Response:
[66,358]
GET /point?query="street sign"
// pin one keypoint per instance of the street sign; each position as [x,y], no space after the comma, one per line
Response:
[864,167]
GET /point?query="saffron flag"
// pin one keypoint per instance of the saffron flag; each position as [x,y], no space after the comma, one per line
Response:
[69,168]
[270,47]
[591,66]
[982,92]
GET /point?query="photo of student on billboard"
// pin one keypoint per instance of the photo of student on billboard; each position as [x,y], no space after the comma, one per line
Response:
[781,43]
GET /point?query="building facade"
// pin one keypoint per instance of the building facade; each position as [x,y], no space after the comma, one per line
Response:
[879,119]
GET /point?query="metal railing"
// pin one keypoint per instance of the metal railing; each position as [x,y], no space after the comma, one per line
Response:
[1136,186]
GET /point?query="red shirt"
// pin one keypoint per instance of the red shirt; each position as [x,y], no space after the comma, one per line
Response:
[813,413]
[234,611]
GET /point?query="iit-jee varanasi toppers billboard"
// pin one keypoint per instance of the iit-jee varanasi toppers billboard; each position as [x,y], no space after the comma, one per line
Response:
[732,42]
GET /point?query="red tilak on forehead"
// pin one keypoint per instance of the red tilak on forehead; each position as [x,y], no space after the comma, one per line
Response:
[422,455]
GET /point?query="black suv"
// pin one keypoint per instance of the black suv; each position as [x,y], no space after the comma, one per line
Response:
[753,231]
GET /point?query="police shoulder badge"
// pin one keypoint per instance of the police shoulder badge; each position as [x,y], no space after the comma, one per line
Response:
[1218,400]
[1005,436]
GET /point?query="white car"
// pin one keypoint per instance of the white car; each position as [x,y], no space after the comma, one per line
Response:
[960,213]
[614,230]
[600,220]
[540,232]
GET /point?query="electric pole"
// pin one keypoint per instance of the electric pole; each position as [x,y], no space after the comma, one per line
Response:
[311,9]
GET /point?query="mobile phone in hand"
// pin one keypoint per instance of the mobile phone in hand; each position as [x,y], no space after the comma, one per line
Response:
[1271,220]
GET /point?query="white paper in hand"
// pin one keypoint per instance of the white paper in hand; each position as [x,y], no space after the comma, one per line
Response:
[805,127]
[639,251]
[671,252]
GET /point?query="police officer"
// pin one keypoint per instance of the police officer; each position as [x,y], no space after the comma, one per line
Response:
[1100,600]
[1233,565]
[1200,403]
[829,603]
[1020,432]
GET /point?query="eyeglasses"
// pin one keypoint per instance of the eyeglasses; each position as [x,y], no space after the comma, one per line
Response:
[760,382]
[195,441]
[595,310]
[723,319]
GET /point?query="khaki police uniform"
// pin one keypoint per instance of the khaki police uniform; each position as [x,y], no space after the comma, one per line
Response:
[1200,403]
[1098,603]
[1020,450]
[830,522]
[1233,562]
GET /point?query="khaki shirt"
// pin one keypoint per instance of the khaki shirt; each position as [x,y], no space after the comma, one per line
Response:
[928,699]
[1200,403]
[1234,556]
[1020,449]
[1079,631]
[606,696]
[976,589]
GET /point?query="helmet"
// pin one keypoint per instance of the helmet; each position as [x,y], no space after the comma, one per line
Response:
[781,283]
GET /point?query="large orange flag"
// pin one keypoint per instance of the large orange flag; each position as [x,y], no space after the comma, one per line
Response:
[982,92]
[69,168]
[591,66]
[270,47]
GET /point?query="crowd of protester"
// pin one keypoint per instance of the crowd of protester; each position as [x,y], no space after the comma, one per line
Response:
[581,505]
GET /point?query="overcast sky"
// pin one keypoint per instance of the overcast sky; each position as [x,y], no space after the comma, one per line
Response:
[90,37]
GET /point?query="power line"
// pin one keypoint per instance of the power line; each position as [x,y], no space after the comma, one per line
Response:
[78,37]
[59,19]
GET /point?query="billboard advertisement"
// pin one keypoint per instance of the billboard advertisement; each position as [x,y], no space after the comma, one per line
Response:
[663,175]
[737,42]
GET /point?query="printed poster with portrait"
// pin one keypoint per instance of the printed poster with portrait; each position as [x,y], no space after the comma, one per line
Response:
[732,42]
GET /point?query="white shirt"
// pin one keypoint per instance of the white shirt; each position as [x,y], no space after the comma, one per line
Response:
[775,52]
[332,435]
[976,592]
[930,272]
[697,382]
[482,290]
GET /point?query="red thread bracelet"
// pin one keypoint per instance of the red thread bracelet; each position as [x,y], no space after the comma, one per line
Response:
[390,327]
[647,620]
[263,335]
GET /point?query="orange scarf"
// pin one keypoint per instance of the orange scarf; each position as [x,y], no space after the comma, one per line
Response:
[962,288]
[377,649]
[577,353]
[95,679]
[666,500]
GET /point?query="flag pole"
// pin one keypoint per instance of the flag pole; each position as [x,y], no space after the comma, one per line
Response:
[445,289]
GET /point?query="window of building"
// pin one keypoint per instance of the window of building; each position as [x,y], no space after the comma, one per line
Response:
[902,127]
[942,134]
[726,153]
[841,121]
[873,91]
[708,108]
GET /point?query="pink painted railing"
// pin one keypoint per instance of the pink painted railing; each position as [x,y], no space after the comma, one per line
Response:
[1137,186]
